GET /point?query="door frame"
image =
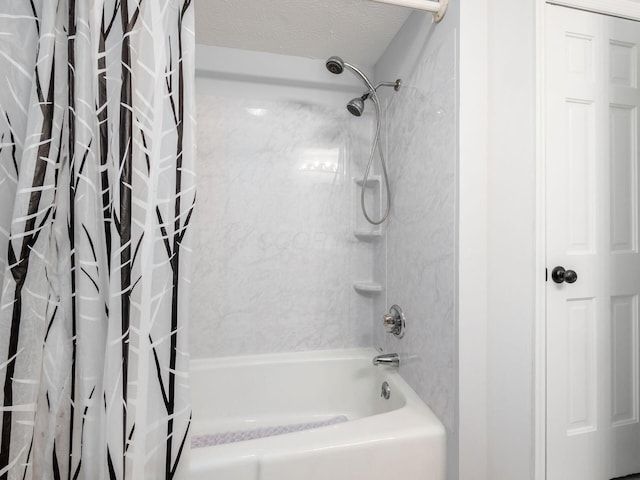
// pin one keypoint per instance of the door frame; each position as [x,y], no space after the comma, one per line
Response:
[540,334]
[617,8]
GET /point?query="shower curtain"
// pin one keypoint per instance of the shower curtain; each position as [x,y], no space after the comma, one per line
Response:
[96,197]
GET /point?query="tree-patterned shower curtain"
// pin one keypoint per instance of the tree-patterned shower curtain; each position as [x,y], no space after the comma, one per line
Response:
[96,196]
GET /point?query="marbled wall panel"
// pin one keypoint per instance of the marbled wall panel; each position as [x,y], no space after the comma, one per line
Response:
[421,238]
[275,246]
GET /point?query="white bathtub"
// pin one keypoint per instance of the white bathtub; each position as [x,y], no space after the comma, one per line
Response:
[398,438]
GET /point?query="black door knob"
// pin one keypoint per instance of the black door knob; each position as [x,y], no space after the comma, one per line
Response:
[560,275]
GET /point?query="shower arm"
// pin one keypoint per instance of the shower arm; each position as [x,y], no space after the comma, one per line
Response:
[396,85]
[369,85]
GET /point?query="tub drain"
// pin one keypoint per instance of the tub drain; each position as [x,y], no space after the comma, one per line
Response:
[386,391]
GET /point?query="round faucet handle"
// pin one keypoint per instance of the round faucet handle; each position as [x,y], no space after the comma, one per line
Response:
[394,321]
[389,322]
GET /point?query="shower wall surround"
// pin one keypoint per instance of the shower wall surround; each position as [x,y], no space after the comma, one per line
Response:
[421,236]
[277,256]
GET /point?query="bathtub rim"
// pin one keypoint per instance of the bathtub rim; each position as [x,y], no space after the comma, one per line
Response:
[359,353]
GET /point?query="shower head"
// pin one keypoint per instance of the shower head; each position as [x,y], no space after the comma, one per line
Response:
[335,65]
[356,105]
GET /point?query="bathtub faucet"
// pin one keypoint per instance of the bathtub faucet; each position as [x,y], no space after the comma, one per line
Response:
[391,359]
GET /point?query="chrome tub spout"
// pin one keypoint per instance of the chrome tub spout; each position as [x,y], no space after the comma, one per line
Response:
[391,359]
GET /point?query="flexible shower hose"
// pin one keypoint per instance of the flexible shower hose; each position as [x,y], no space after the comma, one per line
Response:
[376,146]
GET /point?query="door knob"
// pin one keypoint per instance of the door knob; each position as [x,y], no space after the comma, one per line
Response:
[559,275]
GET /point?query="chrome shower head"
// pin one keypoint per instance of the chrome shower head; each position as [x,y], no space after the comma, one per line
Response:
[335,65]
[356,105]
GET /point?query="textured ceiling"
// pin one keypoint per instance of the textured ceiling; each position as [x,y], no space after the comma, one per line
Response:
[358,30]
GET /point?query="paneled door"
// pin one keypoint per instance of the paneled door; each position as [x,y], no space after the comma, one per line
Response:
[593,263]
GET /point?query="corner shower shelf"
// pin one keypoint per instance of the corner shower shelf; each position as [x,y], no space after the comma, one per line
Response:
[367,235]
[368,288]
[371,181]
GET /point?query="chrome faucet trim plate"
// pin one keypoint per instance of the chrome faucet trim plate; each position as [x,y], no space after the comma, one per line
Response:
[394,321]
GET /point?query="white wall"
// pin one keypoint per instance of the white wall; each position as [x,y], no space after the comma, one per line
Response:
[472,243]
[420,245]
[497,239]
[275,246]
[511,239]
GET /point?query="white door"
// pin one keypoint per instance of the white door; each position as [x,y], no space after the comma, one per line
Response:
[592,168]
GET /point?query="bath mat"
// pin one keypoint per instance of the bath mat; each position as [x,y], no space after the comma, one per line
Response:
[242,435]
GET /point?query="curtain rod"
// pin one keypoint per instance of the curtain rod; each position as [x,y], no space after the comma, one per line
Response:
[437,8]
